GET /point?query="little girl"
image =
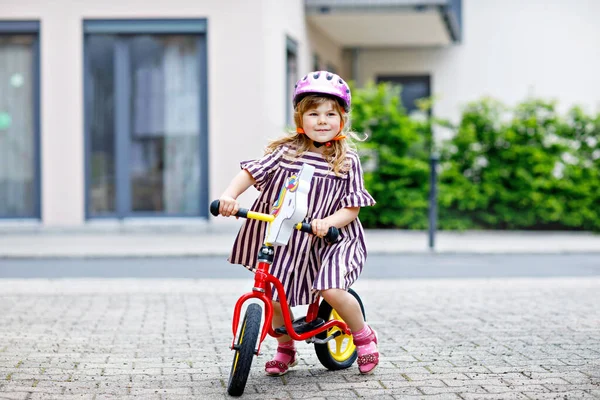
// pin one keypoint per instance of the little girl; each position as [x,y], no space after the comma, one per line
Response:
[308,265]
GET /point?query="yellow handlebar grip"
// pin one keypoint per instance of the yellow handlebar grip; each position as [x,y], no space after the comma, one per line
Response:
[260,216]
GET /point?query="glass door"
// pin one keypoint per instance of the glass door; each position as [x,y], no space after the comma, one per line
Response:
[145,112]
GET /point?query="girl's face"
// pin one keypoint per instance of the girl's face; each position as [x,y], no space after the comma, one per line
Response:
[321,123]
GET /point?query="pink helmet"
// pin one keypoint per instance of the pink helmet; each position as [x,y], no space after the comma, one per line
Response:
[323,82]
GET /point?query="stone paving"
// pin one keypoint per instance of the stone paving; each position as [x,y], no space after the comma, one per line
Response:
[96,339]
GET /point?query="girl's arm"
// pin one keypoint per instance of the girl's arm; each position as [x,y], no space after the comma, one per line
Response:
[339,219]
[228,204]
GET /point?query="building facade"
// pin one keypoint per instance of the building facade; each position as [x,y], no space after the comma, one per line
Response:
[128,110]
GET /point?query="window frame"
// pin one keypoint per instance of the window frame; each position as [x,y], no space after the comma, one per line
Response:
[402,79]
[124,28]
[30,27]
[291,47]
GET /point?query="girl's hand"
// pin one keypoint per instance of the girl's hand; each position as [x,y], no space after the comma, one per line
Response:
[320,227]
[228,206]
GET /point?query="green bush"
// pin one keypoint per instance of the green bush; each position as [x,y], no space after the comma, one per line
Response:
[520,168]
[397,151]
[525,168]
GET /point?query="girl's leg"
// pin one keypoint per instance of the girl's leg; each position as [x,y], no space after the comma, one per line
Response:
[347,306]
[286,351]
[278,321]
[364,337]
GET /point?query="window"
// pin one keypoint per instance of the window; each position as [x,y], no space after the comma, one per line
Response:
[316,62]
[146,118]
[19,120]
[414,87]
[291,74]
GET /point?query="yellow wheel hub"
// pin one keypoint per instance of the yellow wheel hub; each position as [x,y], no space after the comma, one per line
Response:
[342,347]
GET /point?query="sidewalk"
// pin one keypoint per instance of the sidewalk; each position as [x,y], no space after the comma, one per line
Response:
[168,339]
[209,240]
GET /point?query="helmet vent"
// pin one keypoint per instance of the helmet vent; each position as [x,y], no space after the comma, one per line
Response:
[325,83]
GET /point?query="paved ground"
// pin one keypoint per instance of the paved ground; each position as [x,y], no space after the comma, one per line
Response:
[503,338]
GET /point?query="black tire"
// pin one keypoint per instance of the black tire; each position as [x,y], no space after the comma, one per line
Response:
[344,354]
[244,354]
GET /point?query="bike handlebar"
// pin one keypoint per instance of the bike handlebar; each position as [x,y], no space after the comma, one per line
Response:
[330,237]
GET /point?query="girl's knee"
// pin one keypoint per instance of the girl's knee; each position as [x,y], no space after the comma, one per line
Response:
[331,294]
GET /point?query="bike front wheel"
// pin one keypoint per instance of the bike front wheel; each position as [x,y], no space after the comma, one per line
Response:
[340,352]
[244,350]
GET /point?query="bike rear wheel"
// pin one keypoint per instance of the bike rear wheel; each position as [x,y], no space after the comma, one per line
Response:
[245,349]
[340,352]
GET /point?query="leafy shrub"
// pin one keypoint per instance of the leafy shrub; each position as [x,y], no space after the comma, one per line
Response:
[524,167]
[397,151]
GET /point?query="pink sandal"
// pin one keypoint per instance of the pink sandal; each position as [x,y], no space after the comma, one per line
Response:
[278,368]
[367,362]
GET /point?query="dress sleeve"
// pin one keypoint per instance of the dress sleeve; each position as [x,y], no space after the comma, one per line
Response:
[262,169]
[356,195]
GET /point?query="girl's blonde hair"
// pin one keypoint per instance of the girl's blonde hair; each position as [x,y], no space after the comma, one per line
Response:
[300,142]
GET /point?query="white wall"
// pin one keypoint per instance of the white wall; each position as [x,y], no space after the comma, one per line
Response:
[510,49]
[246,83]
[264,97]
[328,51]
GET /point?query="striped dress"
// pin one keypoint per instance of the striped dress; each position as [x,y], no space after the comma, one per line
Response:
[307,264]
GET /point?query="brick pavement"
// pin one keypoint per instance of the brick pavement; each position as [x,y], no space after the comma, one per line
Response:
[168,339]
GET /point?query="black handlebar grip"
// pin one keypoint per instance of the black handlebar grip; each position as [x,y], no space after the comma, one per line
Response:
[332,233]
[214,210]
[306,228]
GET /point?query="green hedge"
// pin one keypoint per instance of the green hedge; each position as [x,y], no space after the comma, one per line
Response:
[525,167]
[397,151]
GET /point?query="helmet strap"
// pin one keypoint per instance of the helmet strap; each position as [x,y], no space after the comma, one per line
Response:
[329,143]
[326,144]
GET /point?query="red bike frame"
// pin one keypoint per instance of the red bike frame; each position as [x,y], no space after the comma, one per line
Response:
[262,291]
